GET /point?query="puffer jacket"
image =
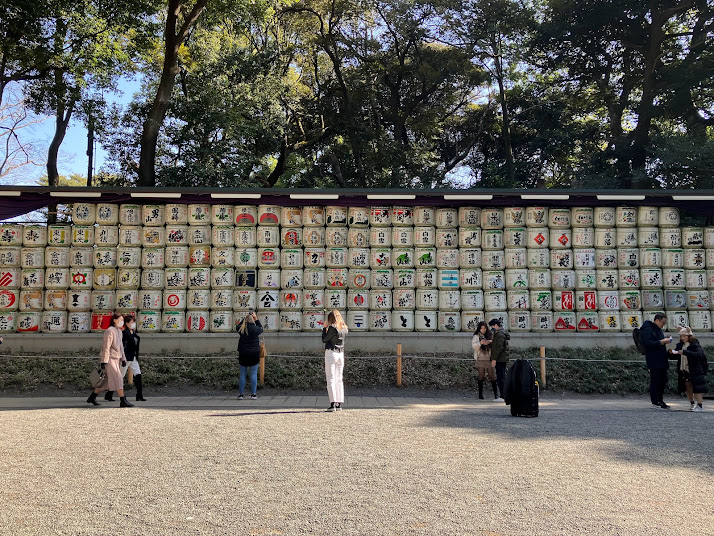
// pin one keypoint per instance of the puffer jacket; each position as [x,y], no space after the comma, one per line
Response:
[499,346]
[698,366]
[249,344]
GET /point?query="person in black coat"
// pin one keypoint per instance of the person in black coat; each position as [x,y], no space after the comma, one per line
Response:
[131,340]
[657,357]
[693,366]
[249,353]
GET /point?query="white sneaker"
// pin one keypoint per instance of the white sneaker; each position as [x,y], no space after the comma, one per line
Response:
[692,405]
[498,399]
[697,408]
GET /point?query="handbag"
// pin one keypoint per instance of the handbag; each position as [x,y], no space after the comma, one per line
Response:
[98,378]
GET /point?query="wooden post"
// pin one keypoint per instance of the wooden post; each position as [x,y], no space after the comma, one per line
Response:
[399,365]
[261,371]
[542,366]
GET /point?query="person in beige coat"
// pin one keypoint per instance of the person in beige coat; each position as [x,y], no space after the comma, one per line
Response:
[113,359]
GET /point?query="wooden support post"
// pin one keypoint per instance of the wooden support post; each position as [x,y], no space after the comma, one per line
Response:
[542,366]
[261,371]
[399,365]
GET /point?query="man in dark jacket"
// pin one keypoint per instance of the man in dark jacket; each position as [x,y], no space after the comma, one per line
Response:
[655,343]
[499,355]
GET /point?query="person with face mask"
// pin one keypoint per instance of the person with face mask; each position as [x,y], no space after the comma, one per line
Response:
[130,340]
[113,360]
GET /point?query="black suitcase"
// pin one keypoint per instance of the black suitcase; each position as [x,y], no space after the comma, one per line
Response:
[521,390]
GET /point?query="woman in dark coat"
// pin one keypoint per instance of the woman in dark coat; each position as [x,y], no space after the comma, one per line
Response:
[249,353]
[693,366]
[131,339]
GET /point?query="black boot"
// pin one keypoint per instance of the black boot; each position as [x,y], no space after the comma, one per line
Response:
[93,399]
[139,391]
[495,388]
[109,395]
[124,403]
[480,389]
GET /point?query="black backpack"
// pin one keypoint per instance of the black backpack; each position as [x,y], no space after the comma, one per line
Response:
[638,342]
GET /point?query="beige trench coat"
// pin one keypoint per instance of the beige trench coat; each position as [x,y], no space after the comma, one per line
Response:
[112,355]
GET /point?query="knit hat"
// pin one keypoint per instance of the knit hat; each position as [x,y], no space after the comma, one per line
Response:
[686,330]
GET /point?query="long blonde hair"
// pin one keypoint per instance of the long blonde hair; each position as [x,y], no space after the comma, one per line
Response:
[336,318]
[247,320]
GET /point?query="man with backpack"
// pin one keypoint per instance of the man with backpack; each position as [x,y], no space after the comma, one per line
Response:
[654,342]
[499,355]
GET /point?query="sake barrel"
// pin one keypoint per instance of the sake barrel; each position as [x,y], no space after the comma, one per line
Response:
[313,320]
[358,278]
[380,216]
[293,257]
[492,218]
[584,237]
[174,300]
[587,321]
[513,237]
[359,299]
[380,299]
[402,216]
[313,216]
[176,278]
[541,321]
[539,278]
[402,257]
[583,258]
[564,322]
[425,320]
[176,214]
[245,215]
[608,300]
[448,217]
[357,320]
[494,280]
[696,279]
[609,321]
[401,237]
[105,257]
[335,236]
[356,217]
[57,278]
[54,321]
[28,322]
[199,277]
[81,278]
[107,214]
[225,257]
[380,237]
[519,321]
[448,279]
[605,237]
[58,235]
[629,278]
[675,299]
[358,237]
[470,216]
[709,237]
[501,316]
[36,235]
[628,258]
[55,300]
[604,217]
[608,279]
[246,237]
[291,237]
[32,300]
[335,257]
[197,321]
[697,300]
[425,216]
[692,237]
[517,278]
[668,217]
[29,278]
[336,299]
[175,256]
[472,300]
[648,237]
[518,300]
[173,321]
[494,300]
[79,322]
[380,321]
[268,257]
[694,259]
[426,257]
[673,278]
[469,278]
[538,257]
[559,218]
[223,235]
[32,258]
[563,279]
[670,237]
[673,258]
[650,257]
[513,217]
[449,258]
[515,258]
[314,299]
[107,235]
[337,277]
[11,234]
[585,279]
[222,278]
[426,277]
[243,300]
[153,215]
[647,216]
[677,318]
[490,260]
[130,235]
[199,213]
[651,278]
[103,300]
[79,300]
[563,300]
[710,279]
[152,279]
[290,299]
[403,320]
[626,216]
[130,214]
[380,258]
[427,299]
[269,319]
[626,237]
[537,237]
[84,213]
[199,235]
[10,256]
[197,299]
[106,278]
[652,299]
[469,237]
[709,258]
[199,255]
[153,258]
[286,279]
[314,278]
[561,259]
[492,239]
[127,300]
[541,300]
[606,258]
[10,278]
[313,236]
[700,320]
[536,216]
[357,258]
[9,300]
[150,299]
[449,321]
[153,237]
[560,238]
[630,320]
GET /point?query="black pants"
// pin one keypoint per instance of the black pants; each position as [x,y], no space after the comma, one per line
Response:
[501,376]
[658,381]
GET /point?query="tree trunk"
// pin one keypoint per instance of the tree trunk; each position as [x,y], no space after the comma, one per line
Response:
[63,115]
[506,122]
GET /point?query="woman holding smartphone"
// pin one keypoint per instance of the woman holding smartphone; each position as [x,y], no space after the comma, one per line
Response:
[333,336]
[249,353]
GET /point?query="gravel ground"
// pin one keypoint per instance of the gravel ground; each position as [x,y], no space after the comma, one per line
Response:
[587,465]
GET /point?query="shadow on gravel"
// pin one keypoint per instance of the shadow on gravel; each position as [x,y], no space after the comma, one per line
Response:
[277,412]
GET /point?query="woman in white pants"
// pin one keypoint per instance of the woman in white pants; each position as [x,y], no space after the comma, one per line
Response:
[334,338]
